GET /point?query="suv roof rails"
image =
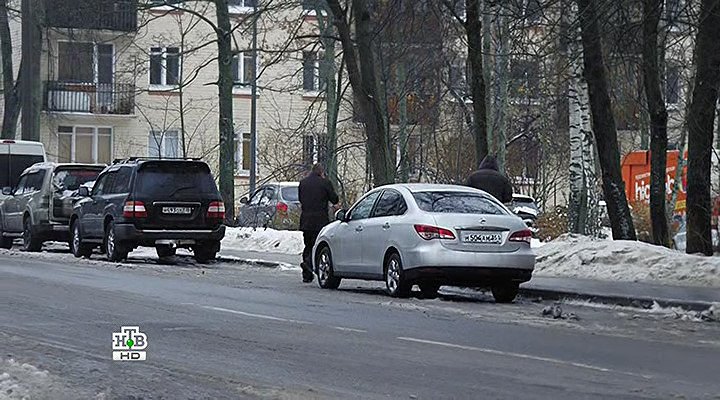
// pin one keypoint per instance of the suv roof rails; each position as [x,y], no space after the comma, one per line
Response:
[136,159]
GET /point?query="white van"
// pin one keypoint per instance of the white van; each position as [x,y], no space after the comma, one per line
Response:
[15,157]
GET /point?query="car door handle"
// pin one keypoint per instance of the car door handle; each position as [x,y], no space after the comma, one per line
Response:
[386,225]
[359,229]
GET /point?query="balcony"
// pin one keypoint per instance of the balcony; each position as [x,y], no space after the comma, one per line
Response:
[113,15]
[101,98]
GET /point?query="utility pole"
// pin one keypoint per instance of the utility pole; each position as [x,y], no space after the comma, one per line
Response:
[253,106]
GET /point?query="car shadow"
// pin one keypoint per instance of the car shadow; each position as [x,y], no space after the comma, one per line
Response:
[480,297]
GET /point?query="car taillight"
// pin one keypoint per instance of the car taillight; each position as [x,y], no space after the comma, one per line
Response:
[216,210]
[282,207]
[428,232]
[134,209]
[521,236]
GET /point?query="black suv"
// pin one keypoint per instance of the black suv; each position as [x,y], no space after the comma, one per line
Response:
[164,204]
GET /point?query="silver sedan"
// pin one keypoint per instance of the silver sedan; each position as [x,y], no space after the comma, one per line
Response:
[429,235]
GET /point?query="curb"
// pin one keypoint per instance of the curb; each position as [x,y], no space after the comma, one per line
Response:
[253,263]
[616,299]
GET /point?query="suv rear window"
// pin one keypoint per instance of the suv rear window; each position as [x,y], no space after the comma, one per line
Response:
[174,179]
[72,179]
[457,203]
[290,193]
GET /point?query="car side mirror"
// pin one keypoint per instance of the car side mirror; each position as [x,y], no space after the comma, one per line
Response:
[7,191]
[244,200]
[83,191]
[340,215]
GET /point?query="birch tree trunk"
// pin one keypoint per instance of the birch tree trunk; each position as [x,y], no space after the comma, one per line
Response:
[332,86]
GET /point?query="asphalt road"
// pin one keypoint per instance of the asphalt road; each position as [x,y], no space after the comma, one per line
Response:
[232,331]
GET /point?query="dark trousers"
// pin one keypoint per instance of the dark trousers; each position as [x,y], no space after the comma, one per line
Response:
[310,237]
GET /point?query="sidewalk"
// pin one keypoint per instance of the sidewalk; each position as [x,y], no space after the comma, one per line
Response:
[634,294]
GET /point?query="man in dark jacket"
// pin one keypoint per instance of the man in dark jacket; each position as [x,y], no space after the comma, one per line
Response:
[489,179]
[315,192]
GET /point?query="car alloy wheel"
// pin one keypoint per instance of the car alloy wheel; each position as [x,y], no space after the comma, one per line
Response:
[30,243]
[326,278]
[75,242]
[77,247]
[394,277]
[113,250]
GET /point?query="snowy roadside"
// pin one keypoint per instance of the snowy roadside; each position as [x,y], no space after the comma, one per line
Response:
[20,381]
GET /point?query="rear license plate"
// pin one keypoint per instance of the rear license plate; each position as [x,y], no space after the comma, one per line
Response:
[483,238]
[177,210]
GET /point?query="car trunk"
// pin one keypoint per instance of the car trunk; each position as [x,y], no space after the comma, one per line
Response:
[176,195]
[477,233]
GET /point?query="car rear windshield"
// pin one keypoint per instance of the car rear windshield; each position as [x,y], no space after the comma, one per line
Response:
[72,179]
[290,194]
[456,203]
[172,180]
[13,165]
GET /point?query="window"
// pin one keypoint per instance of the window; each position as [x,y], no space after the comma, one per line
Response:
[103,183]
[391,203]
[82,144]
[164,144]
[243,69]
[242,6]
[524,79]
[312,81]
[20,188]
[309,154]
[168,179]
[268,196]
[164,66]
[457,79]
[456,203]
[80,62]
[255,200]
[363,208]
[290,193]
[672,11]
[310,6]
[242,153]
[72,179]
[672,84]
[121,183]
[33,182]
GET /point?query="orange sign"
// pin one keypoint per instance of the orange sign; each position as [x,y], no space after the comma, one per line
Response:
[636,174]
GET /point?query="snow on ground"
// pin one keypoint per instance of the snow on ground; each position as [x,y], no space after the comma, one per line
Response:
[24,381]
[584,257]
[261,239]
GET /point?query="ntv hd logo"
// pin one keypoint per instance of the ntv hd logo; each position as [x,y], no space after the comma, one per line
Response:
[128,343]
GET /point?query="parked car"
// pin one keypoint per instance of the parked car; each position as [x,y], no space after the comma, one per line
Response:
[39,208]
[679,241]
[430,235]
[166,204]
[274,205]
[15,157]
[526,208]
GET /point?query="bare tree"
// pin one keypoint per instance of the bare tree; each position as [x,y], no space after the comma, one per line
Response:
[700,122]
[11,111]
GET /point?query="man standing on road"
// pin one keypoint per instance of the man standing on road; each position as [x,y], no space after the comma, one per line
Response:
[489,179]
[315,192]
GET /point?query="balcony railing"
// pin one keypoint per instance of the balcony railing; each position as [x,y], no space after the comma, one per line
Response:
[113,15]
[101,98]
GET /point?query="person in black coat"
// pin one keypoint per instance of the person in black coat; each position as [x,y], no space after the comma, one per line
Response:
[315,193]
[489,179]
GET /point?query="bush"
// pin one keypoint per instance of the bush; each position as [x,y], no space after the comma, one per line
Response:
[641,219]
[552,224]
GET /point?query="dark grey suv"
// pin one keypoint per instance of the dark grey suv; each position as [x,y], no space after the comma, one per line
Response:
[38,209]
[166,204]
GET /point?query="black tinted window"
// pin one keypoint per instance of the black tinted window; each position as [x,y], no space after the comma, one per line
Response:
[34,182]
[21,185]
[364,207]
[290,194]
[390,203]
[13,165]
[103,185]
[174,179]
[121,183]
[457,202]
[72,179]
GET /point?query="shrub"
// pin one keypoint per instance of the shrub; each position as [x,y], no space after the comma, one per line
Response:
[552,224]
[641,219]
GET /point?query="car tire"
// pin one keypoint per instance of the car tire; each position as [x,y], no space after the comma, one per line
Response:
[114,250]
[206,252]
[395,282]
[505,292]
[165,251]
[5,242]
[325,272]
[77,247]
[429,290]
[31,242]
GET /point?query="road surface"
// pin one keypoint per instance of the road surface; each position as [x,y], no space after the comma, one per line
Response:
[230,331]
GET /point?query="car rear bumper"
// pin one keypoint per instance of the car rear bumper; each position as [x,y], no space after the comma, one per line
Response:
[468,276]
[129,233]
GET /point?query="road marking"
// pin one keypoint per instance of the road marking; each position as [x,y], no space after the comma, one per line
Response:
[260,316]
[342,328]
[522,356]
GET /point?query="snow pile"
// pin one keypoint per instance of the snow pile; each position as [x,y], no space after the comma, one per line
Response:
[260,239]
[24,381]
[583,257]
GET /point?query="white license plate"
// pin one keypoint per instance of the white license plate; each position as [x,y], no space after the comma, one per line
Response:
[483,238]
[177,210]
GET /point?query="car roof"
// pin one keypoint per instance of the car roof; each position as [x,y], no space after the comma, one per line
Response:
[522,196]
[53,165]
[427,187]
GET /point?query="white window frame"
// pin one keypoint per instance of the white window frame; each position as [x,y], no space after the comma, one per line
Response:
[95,65]
[244,87]
[239,154]
[311,13]
[243,9]
[314,147]
[163,68]
[95,136]
[162,145]
[316,74]
[165,7]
